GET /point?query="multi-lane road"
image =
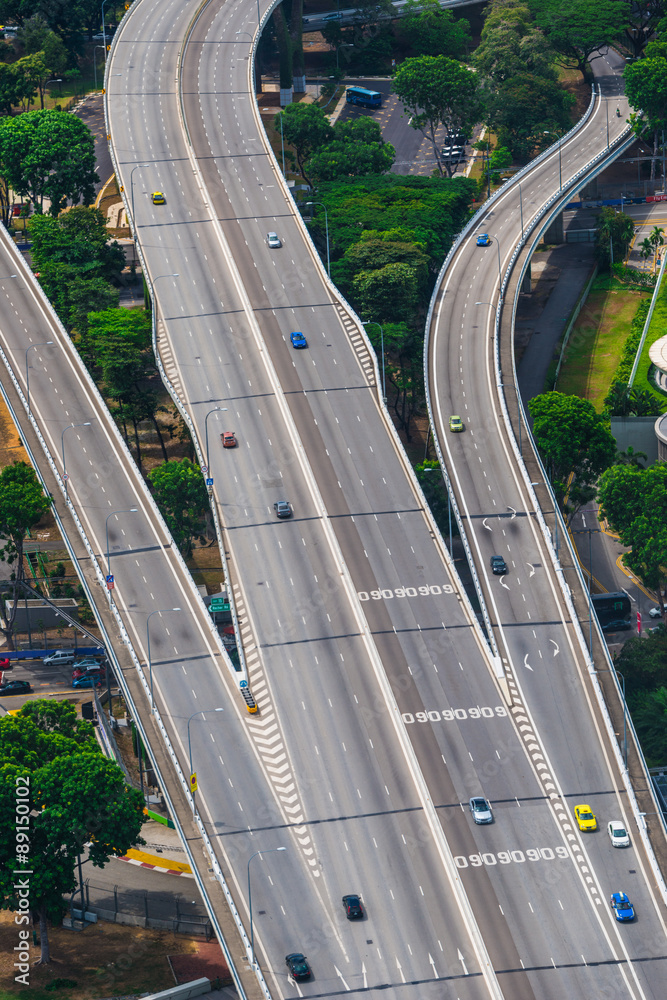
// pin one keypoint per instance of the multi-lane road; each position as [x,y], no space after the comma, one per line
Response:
[381,708]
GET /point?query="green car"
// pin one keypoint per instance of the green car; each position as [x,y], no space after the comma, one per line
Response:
[455,424]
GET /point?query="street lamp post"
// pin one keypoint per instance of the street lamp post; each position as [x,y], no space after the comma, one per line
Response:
[128,510]
[137,166]
[104,31]
[95,48]
[449,511]
[69,427]
[269,850]
[47,343]
[201,712]
[500,273]
[326,223]
[521,206]
[162,611]
[215,408]
[367,322]
[625,710]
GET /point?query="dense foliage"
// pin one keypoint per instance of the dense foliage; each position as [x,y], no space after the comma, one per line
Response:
[76,800]
[575,443]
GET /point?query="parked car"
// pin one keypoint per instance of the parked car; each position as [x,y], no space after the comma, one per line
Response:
[655,612]
[618,625]
[89,680]
[15,687]
[91,668]
[59,656]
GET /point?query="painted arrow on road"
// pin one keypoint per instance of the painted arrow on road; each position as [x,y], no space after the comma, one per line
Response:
[527,664]
[557,647]
[462,961]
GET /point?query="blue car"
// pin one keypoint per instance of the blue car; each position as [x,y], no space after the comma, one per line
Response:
[298,340]
[87,681]
[622,907]
[483,240]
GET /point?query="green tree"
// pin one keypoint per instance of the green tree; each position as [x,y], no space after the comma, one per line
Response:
[48,154]
[588,26]
[433,485]
[649,715]
[33,32]
[305,128]
[613,234]
[438,91]
[76,798]
[432,31]
[512,44]
[180,493]
[575,444]
[10,89]
[22,506]
[635,504]
[643,662]
[78,237]
[646,90]
[389,292]
[523,108]
[357,149]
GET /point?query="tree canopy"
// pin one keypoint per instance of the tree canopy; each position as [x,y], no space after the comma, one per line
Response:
[436,91]
[72,795]
[48,155]
[356,149]
[22,506]
[434,31]
[584,28]
[634,501]
[613,233]
[574,441]
[305,127]
[180,494]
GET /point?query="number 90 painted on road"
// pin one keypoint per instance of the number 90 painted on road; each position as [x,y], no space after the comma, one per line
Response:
[509,857]
[450,714]
[432,590]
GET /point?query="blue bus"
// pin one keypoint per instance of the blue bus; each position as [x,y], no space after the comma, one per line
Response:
[363,97]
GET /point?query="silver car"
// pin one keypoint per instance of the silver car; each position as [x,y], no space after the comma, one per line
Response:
[481,810]
[273,241]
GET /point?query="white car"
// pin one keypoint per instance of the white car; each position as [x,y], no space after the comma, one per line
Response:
[655,612]
[618,834]
[273,241]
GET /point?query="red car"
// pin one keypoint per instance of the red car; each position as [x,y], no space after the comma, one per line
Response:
[228,439]
[92,671]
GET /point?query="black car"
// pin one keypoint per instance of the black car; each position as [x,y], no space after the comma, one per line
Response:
[498,565]
[282,508]
[353,908]
[298,966]
[15,687]
[618,625]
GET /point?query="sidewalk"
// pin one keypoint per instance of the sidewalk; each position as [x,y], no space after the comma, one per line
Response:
[162,852]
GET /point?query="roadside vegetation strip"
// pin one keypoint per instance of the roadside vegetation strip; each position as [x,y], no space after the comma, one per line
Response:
[601,335]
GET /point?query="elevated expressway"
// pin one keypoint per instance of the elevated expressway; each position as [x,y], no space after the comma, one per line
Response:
[381,710]
[537,614]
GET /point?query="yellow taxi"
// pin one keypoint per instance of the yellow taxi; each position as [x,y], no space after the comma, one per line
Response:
[585,817]
[158,198]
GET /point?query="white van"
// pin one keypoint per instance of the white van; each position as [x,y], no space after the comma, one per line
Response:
[59,656]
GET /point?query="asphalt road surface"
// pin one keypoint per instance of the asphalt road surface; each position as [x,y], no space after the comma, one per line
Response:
[542,656]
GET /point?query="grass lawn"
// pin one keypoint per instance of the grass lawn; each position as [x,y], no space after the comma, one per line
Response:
[657,329]
[596,343]
[104,960]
